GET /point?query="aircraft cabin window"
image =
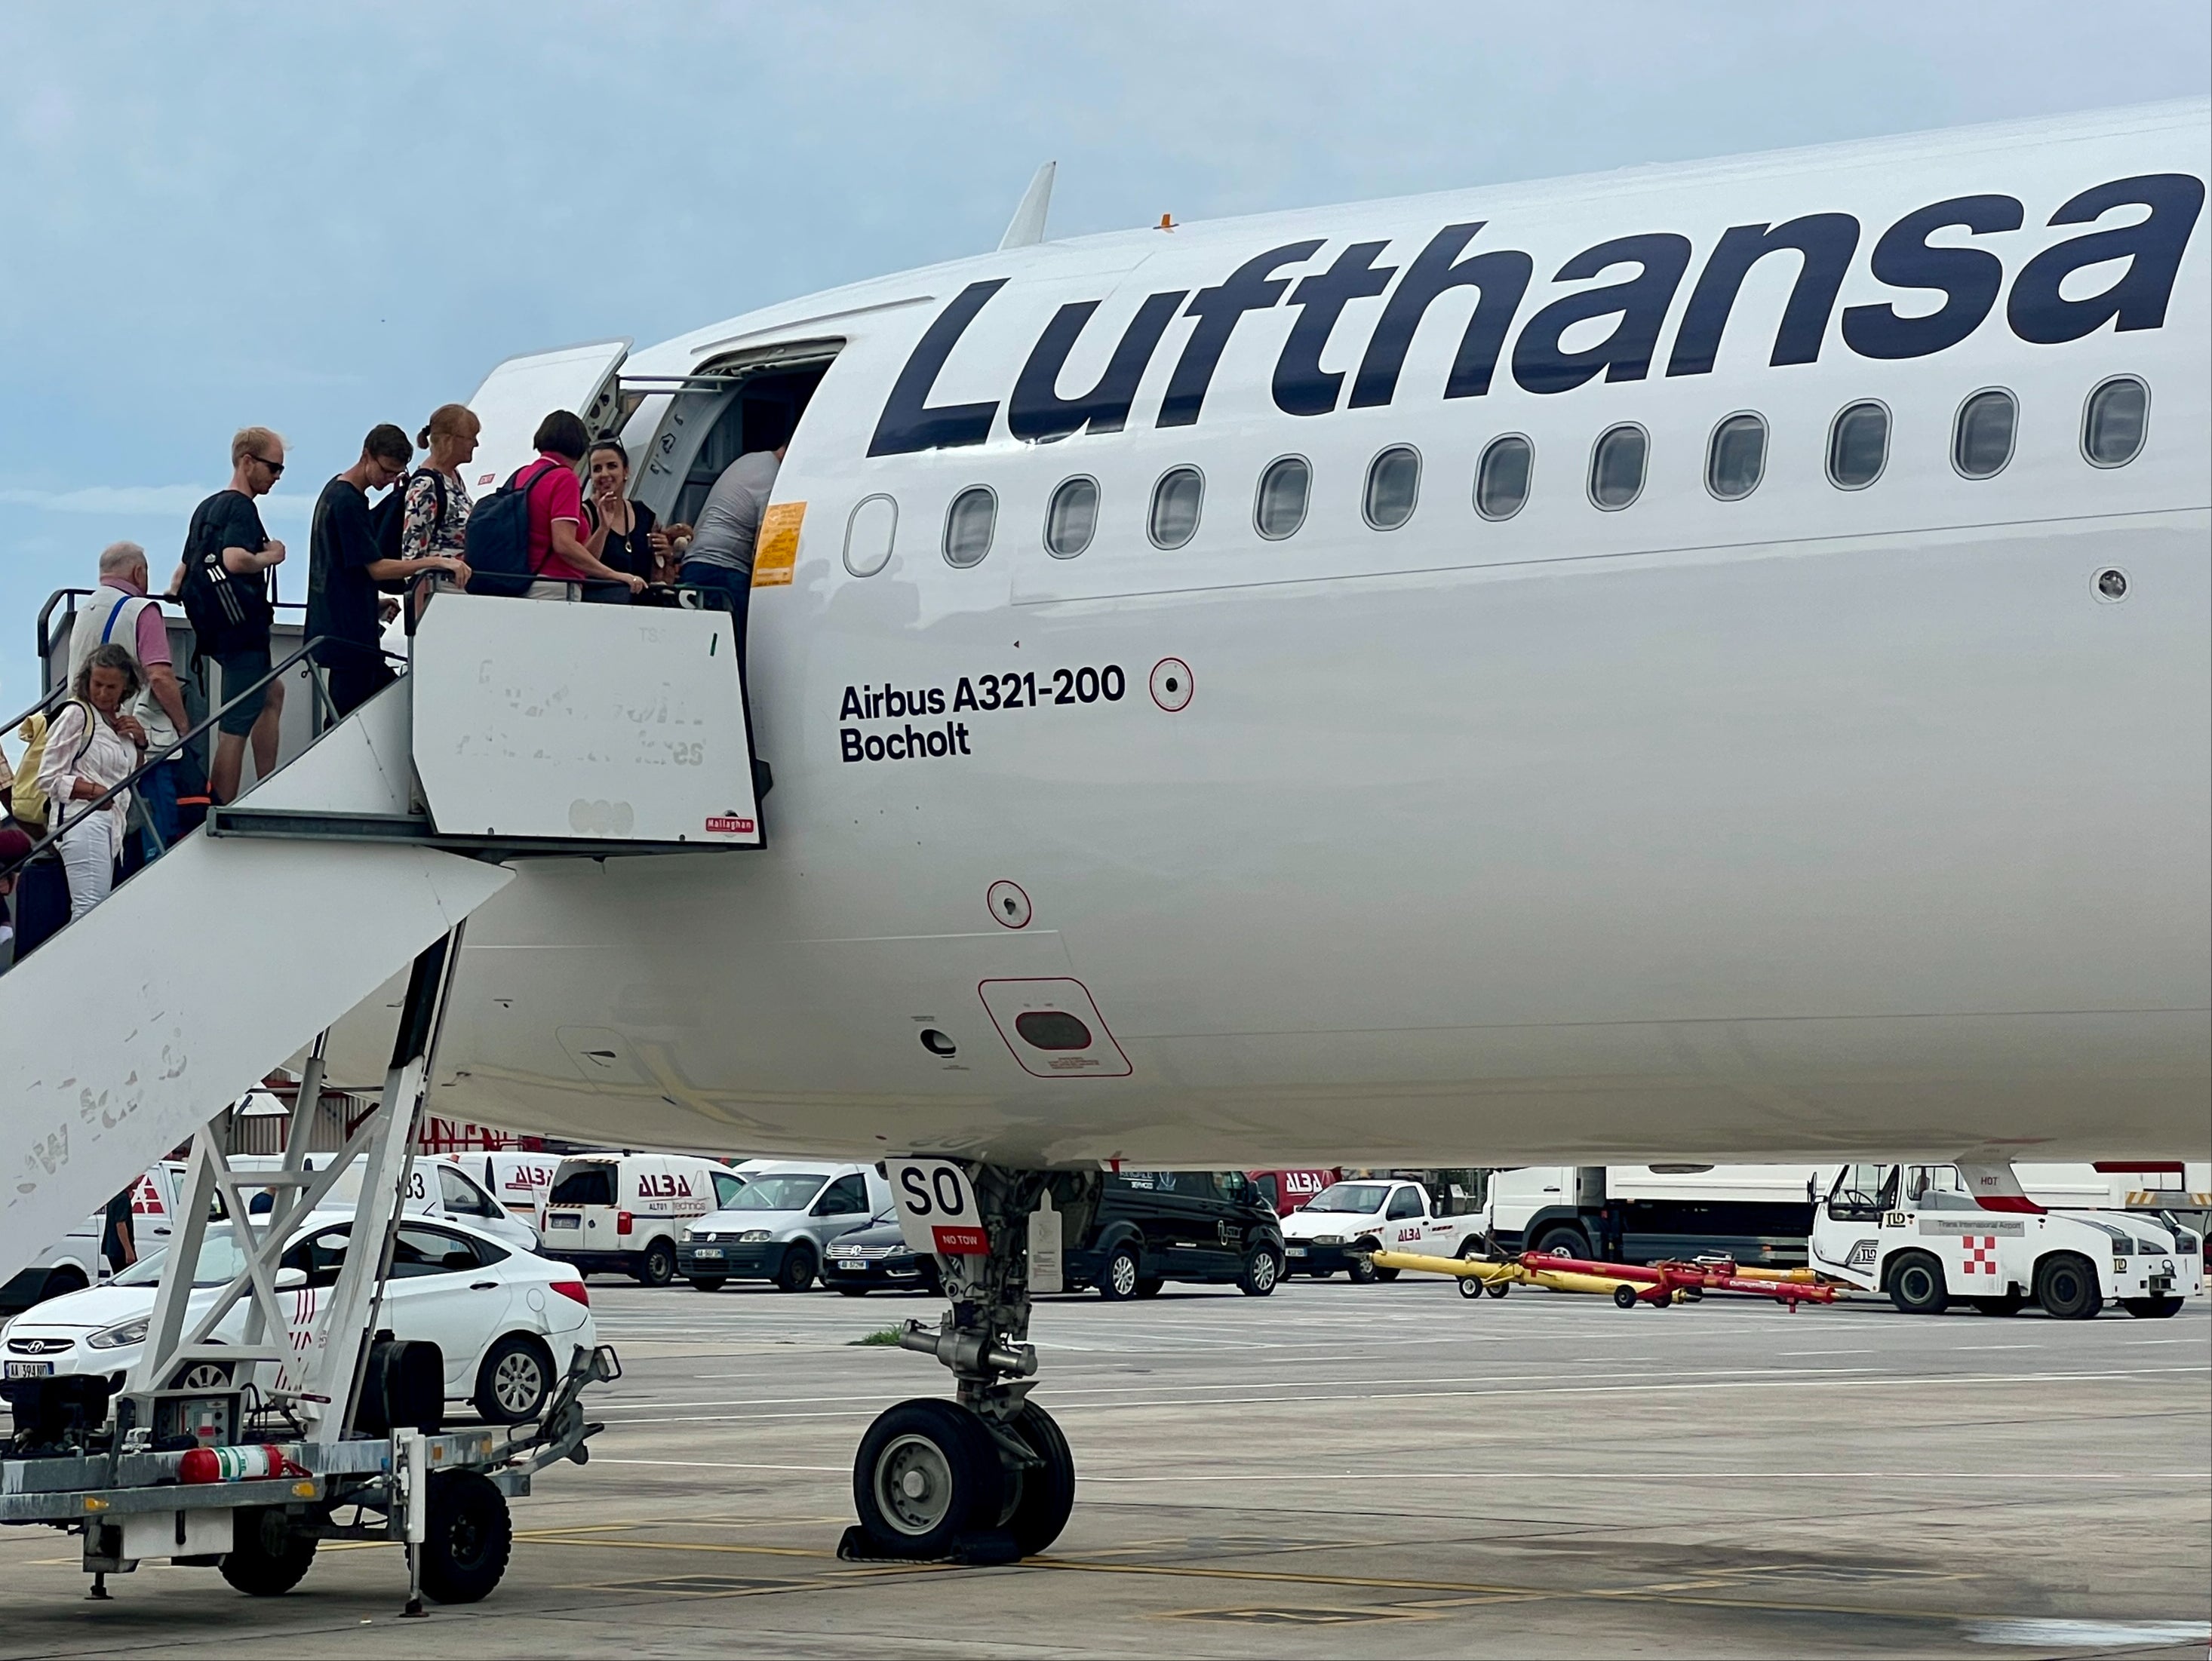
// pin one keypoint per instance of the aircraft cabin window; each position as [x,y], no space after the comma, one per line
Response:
[1071,518]
[1501,478]
[1982,442]
[1281,506]
[969,523]
[1175,501]
[1616,477]
[1858,446]
[1393,485]
[868,535]
[2114,421]
[1736,460]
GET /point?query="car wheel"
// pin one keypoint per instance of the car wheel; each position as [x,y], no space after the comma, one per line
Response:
[203,1375]
[708,1282]
[658,1266]
[514,1380]
[470,1537]
[1916,1284]
[266,1559]
[61,1282]
[927,1473]
[1122,1275]
[1473,1246]
[2066,1286]
[1261,1271]
[1363,1270]
[853,1291]
[2151,1309]
[797,1273]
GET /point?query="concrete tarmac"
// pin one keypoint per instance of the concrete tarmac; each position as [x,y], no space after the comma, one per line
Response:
[1336,1470]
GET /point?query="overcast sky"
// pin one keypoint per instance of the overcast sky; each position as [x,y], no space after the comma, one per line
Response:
[321,217]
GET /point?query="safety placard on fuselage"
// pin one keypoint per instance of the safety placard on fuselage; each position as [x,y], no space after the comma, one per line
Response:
[892,723]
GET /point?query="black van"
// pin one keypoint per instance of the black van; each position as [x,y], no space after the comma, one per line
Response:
[1152,1227]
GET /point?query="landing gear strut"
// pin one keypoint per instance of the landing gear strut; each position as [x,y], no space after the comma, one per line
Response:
[987,1477]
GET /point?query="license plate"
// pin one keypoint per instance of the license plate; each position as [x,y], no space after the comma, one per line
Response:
[707,1252]
[557,1221]
[847,1266]
[30,1369]
[1295,1250]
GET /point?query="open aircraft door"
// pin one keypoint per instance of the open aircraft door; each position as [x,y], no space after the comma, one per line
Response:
[523,390]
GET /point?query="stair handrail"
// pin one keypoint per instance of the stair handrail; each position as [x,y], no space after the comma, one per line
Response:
[151,760]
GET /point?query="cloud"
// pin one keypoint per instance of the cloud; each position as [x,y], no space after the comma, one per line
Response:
[120,500]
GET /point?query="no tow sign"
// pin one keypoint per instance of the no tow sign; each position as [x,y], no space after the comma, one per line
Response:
[937,1208]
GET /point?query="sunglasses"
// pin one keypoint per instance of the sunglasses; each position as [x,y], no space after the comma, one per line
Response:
[275,468]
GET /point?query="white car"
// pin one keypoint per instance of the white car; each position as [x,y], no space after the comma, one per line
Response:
[509,1322]
[1340,1226]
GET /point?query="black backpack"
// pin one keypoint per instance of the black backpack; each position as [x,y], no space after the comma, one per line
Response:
[499,538]
[388,518]
[228,613]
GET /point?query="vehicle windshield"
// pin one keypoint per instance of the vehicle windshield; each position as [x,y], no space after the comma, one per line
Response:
[221,1258]
[1356,1197]
[794,1191]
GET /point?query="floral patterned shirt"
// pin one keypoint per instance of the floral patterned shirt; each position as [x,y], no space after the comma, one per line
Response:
[422,531]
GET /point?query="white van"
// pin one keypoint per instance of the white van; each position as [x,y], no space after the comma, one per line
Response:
[437,1186]
[625,1212]
[74,1262]
[521,1182]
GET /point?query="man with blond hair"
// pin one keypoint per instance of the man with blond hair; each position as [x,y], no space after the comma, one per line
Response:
[121,612]
[224,584]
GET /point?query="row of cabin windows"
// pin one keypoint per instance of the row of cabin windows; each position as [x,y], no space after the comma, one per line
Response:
[2114,421]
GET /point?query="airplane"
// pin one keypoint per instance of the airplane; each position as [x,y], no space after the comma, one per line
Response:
[1704,661]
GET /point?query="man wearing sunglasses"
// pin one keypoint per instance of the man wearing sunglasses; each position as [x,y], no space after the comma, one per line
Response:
[224,584]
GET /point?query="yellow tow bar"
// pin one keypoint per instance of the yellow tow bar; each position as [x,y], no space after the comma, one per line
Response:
[1475,1277]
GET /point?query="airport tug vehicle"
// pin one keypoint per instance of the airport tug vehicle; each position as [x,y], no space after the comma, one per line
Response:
[1931,1235]
[194,1462]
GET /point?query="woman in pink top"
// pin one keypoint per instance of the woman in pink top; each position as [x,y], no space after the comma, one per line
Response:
[558,559]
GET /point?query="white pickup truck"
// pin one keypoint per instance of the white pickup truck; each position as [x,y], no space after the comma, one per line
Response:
[1338,1227]
[1920,1234]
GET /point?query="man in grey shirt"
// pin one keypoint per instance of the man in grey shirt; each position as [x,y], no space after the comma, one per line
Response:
[721,556]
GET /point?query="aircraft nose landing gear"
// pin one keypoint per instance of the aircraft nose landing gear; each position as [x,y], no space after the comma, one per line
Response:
[987,1477]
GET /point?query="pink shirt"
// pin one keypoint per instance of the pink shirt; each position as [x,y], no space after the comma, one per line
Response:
[562,498]
[153,633]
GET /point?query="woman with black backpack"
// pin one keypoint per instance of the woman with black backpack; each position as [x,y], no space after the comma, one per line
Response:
[438,503]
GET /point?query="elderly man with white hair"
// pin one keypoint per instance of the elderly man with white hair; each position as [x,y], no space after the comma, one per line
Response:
[121,612]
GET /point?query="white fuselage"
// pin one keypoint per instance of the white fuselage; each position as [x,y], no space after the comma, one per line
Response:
[1817,822]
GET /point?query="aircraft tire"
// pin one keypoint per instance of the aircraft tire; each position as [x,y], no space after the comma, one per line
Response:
[927,1473]
[1044,1495]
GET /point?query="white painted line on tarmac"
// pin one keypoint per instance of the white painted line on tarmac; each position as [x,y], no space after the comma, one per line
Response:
[1800,1353]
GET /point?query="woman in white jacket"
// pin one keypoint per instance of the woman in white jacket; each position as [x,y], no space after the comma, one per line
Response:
[91,746]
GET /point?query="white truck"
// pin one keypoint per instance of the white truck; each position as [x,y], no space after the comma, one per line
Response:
[1338,1227]
[1757,1215]
[1920,1234]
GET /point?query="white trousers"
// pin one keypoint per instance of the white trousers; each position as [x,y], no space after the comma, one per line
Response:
[88,850]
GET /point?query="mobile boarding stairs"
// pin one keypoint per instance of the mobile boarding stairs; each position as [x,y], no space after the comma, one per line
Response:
[519,729]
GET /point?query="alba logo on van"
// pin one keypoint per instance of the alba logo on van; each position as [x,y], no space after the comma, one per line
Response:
[653,1187]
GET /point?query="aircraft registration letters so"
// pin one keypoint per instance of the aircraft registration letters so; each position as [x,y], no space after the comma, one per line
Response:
[980,694]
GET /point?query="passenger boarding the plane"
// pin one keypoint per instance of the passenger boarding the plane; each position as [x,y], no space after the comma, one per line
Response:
[622,533]
[721,556]
[560,563]
[120,610]
[223,582]
[437,504]
[344,566]
[93,744]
